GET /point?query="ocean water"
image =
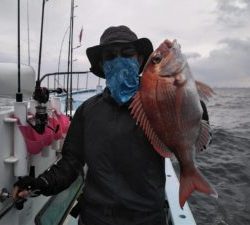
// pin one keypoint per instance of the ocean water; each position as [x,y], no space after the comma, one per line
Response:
[226,163]
[78,99]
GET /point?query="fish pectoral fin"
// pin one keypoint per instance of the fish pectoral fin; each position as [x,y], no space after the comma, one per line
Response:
[191,182]
[204,91]
[140,116]
[205,136]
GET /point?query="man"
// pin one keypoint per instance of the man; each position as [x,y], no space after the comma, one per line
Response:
[125,182]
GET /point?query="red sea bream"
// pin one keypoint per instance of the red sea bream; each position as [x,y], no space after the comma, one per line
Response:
[167,107]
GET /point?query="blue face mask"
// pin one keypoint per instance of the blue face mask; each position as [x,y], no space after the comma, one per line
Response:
[122,78]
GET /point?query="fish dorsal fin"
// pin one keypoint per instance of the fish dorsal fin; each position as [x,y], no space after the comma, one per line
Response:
[139,115]
[204,137]
[204,91]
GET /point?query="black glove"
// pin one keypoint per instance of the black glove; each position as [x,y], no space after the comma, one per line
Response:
[36,185]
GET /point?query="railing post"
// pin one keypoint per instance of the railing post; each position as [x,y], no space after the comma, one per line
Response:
[77,85]
[20,151]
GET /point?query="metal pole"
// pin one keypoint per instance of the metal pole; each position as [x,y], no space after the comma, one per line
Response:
[87,80]
[71,66]
[77,82]
[69,52]
[48,82]
[19,96]
[28,27]
[59,58]
[41,43]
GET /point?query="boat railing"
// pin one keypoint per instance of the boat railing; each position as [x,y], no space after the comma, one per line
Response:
[177,215]
[78,80]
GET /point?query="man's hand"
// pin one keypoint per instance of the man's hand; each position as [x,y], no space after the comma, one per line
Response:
[25,186]
[18,193]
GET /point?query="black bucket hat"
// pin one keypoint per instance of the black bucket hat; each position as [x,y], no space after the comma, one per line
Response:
[119,34]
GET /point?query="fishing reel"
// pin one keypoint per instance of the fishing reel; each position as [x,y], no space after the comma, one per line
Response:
[4,195]
[19,202]
[41,95]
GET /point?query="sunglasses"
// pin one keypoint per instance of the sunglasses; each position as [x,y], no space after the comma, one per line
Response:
[110,52]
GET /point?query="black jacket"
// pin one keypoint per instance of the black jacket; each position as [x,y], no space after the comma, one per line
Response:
[123,168]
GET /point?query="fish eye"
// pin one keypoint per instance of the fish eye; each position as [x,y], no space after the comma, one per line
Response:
[156,58]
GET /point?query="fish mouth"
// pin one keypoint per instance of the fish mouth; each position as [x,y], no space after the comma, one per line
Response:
[169,59]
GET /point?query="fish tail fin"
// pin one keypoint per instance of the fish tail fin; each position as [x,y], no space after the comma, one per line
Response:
[195,181]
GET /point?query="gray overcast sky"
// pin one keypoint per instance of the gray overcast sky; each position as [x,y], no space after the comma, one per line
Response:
[214,34]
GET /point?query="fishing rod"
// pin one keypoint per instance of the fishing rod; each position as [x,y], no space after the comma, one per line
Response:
[68,100]
[71,55]
[59,57]
[41,43]
[28,31]
[17,203]
[19,95]
[41,94]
